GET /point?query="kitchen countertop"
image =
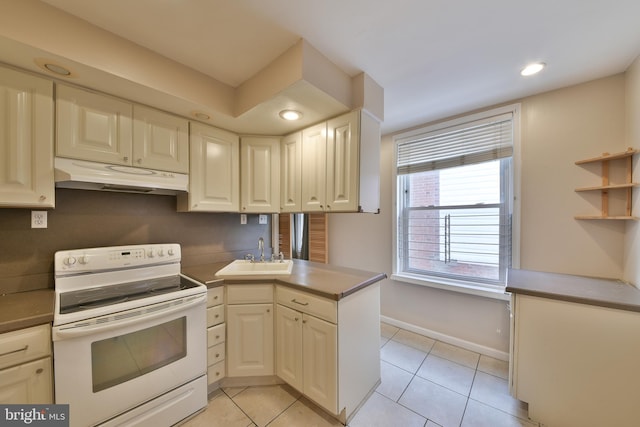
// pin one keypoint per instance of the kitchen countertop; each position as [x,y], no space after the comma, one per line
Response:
[26,309]
[584,290]
[320,279]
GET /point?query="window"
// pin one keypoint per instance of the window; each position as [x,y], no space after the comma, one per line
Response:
[455,210]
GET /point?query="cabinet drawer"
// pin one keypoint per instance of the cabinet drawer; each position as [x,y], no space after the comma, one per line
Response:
[215,296]
[24,345]
[215,315]
[215,354]
[216,372]
[250,294]
[323,308]
[215,335]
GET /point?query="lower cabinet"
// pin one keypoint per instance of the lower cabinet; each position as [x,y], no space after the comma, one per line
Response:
[307,355]
[250,330]
[575,364]
[25,366]
[334,363]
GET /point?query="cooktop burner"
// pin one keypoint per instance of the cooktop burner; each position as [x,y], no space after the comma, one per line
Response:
[74,301]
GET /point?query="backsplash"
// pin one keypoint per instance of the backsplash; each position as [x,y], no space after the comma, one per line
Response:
[84,219]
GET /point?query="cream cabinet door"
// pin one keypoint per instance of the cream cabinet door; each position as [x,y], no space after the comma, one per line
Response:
[314,173]
[320,355]
[289,346]
[92,126]
[250,340]
[26,140]
[161,140]
[27,383]
[260,175]
[214,177]
[291,173]
[343,142]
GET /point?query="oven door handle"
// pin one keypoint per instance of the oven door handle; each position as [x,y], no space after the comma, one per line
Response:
[66,332]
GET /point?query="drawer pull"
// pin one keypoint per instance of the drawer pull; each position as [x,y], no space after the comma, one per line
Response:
[39,371]
[217,337]
[298,302]
[217,355]
[15,351]
[217,315]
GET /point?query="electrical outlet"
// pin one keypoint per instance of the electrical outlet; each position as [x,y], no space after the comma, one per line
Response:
[243,219]
[262,219]
[38,219]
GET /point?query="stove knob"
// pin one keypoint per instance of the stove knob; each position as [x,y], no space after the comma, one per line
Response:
[70,260]
[160,252]
[150,253]
[83,259]
[170,252]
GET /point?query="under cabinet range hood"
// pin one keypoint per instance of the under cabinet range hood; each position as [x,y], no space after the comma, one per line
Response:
[84,175]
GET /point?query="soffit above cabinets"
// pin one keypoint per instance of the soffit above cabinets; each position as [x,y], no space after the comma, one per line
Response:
[301,78]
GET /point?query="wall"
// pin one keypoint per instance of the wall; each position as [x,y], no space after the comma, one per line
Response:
[558,128]
[84,219]
[632,232]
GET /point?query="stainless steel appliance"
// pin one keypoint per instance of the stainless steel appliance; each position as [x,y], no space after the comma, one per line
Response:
[129,336]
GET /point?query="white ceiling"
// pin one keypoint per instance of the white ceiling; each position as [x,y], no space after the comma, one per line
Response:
[434,58]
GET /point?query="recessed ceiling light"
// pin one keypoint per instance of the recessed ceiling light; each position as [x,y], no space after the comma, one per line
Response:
[52,66]
[200,115]
[532,69]
[57,69]
[290,114]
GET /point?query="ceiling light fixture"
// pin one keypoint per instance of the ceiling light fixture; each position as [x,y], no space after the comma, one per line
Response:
[532,69]
[290,114]
[54,67]
[200,115]
[57,69]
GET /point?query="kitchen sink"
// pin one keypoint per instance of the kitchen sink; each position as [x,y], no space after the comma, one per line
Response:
[243,267]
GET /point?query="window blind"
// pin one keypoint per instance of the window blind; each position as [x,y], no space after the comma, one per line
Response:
[469,143]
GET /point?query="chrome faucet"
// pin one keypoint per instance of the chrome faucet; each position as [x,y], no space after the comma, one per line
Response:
[261,247]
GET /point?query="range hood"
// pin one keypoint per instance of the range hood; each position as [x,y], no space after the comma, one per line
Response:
[84,175]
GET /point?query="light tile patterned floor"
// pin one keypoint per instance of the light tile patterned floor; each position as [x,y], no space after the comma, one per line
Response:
[425,383]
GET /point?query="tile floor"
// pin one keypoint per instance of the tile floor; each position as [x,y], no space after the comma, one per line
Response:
[425,383]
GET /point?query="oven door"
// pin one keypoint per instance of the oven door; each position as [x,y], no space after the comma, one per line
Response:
[106,367]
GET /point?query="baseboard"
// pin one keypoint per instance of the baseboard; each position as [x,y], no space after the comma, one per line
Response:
[468,345]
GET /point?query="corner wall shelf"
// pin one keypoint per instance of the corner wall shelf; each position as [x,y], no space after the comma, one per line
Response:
[606,186]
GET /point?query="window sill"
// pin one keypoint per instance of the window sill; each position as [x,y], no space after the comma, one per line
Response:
[453,286]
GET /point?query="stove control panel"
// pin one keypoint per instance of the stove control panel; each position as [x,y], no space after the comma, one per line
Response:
[115,257]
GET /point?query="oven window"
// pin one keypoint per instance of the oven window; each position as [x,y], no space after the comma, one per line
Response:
[122,358]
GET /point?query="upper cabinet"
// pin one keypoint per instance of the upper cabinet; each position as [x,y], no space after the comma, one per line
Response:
[343,162]
[291,173]
[260,175]
[340,166]
[314,168]
[92,126]
[160,140]
[215,171]
[97,127]
[26,141]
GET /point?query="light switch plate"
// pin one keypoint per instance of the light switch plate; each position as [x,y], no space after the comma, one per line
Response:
[38,219]
[243,219]
[262,219]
